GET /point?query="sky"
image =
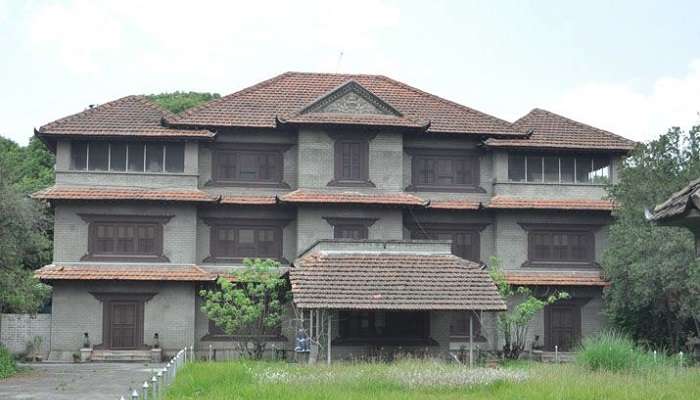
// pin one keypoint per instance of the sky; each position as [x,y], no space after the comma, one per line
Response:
[631,67]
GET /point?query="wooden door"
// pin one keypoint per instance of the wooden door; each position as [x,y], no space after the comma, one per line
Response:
[124,324]
[562,326]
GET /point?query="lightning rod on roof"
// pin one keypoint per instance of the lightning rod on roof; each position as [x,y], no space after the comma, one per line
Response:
[340,59]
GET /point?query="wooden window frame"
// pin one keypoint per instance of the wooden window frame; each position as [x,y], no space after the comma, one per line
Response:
[126,170]
[470,156]
[535,228]
[362,223]
[457,336]
[422,229]
[276,150]
[362,139]
[94,219]
[251,223]
[560,181]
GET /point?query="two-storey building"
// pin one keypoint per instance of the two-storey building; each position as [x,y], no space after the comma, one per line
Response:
[385,204]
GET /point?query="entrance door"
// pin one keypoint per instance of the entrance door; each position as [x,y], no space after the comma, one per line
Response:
[124,324]
[562,326]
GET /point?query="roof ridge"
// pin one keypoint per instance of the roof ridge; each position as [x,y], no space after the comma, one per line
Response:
[245,90]
[581,124]
[152,104]
[87,111]
[446,101]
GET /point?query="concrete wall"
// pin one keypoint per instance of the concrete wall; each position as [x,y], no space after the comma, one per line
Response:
[170,313]
[71,231]
[186,179]
[311,225]
[17,330]
[316,155]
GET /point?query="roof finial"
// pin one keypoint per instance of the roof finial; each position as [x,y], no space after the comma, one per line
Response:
[340,59]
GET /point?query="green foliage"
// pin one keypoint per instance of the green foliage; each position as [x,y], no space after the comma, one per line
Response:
[522,307]
[616,352]
[251,302]
[177,102]
[655,280]
[7,363]
[360,381]
[26,169]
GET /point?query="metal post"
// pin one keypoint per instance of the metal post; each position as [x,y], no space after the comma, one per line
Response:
[556,353]
[328,338]
[471,341]
[210,351]
[154,387]
[311,323]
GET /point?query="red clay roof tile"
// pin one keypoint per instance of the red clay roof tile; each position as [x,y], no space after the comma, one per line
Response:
[457,204]
[128,116]
[60,192]
[550,130]
[346,197]
[248,200]
[164,272]
[504,202]
[554,278]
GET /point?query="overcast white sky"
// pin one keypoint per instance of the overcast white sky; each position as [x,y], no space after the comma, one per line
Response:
[629,67]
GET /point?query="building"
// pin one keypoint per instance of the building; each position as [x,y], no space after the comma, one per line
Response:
[383,202]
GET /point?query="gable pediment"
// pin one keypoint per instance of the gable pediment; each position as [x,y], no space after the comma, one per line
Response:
[351,98]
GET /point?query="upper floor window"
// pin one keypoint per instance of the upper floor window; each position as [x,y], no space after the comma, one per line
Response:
[249,164]
[558,169]
[466,241]
[560,244]
[444,170]
[351,161]
[245,238]
[119,237]
[132,157]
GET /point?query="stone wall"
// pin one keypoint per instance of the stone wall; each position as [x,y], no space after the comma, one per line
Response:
[16,330]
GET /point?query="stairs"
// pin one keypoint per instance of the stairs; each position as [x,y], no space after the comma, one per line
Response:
[121,356]
[564,357]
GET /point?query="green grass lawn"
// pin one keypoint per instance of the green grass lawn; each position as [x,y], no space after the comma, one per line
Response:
[425,380]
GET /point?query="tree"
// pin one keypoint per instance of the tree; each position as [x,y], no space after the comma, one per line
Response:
[178,102]
[522,307]
[26,169]
[249,306]
[655,280]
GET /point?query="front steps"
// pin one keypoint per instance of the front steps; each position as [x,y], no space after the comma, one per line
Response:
[551,357]
[120,356]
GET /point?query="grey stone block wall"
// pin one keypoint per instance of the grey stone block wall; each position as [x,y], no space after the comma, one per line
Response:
[71,231]
[16,330]
[185,180]
[311,225]
[170,313]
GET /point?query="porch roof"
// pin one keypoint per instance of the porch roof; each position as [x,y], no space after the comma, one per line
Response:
[156,272]
[556,278]
[391,280]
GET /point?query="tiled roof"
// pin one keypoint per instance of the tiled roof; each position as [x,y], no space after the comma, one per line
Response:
[550,130]
[347,197]
[565,278]
[128,116]
[457,204]
[392,281]
[355,119]
[504,202]
[60,192]
[287,94]
[154,272]
[678,204]
[248,200]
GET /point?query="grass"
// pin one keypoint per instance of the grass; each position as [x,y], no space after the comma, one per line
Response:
[426,380]
[7,363]
[615,352]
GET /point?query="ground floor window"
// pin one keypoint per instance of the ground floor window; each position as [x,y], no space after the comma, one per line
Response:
[459,324]
[391,325]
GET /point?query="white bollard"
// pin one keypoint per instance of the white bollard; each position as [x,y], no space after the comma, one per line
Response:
[556,353]
[654,356]
[166,381]
[144,390]
[192,358]
[211,350]
[680,359]
[134,395]
[161,380]
[122,398]
[154,387]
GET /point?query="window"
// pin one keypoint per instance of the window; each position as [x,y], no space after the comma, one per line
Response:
[134,157]
[239,239]
[125,237]
[459,324]
[566,244]
[384,325]
[444,169]
[558,169]
[466,241]
[249,164]
[351,161]
[350,228]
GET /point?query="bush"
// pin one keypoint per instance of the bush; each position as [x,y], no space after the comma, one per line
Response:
[615,352]
[7,363]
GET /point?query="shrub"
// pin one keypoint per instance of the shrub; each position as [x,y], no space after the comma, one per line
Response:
[615,352]
[7,363]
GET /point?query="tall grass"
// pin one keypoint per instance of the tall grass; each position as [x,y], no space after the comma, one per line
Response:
[615,352]
[7,363]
